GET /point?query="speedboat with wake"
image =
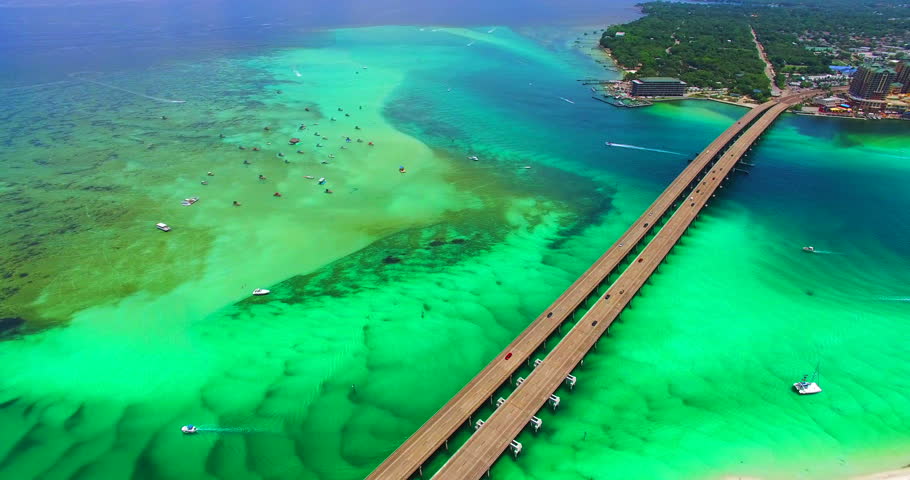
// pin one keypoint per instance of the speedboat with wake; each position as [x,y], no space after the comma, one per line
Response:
[189,429]
[809,249]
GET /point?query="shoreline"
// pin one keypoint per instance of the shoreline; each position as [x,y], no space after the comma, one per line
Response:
[728,102]
[883,471]
[899,474]
[806,114]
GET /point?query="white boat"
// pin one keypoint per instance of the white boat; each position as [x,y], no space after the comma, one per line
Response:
[309,177]
[809,249]
[188,429]
[189,201]
[808,386]
[322,181]
[473,157]
[163,227]
[261,291]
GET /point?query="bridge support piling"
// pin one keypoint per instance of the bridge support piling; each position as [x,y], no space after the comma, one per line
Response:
[475,458]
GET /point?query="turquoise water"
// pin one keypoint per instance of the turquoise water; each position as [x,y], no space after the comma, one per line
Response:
[704,359]
[392,292]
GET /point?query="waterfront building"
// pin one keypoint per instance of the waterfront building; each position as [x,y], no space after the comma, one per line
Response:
[829,101]
[903,75]
[658,87]
[870,85]
[871,82]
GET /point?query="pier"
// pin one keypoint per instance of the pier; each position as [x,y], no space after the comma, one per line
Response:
[677,206]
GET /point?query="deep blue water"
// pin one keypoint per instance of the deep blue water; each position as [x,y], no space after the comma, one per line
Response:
[43,40]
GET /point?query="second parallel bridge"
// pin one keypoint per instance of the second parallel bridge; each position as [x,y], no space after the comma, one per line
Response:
[409,457]
[485,446]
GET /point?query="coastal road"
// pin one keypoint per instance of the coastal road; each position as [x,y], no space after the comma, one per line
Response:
[769,68]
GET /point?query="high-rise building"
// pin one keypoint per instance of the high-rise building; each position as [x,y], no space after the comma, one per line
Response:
[872,82]
[658,87]
[903,75]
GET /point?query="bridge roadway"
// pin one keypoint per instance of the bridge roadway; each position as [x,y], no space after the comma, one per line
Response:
[408,458]
[485,446]
[411,455]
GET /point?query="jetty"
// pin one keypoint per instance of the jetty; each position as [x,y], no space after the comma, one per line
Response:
[667,218]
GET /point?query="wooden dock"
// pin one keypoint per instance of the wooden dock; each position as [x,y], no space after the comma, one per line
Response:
[488,442]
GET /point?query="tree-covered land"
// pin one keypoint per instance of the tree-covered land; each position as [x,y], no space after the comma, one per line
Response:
[693,43]
[809,36]
[708,43]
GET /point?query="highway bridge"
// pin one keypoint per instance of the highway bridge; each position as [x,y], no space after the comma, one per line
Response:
[665,220]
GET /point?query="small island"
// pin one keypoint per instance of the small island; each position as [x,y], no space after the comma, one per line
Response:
[748,51]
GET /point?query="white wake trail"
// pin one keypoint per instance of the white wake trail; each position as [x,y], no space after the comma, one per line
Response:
[75,76]
[635,147]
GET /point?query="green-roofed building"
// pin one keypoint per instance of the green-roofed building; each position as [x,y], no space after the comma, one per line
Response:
[903,75]
[872,82]
[658,87]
